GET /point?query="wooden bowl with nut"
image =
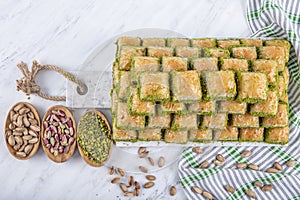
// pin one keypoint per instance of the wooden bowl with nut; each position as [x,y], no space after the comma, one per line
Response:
[58,134]
[22,130]
[94,138]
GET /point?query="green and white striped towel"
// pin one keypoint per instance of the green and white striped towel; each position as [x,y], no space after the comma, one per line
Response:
[266,18]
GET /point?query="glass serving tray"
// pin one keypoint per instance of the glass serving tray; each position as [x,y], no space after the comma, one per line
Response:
[96,72]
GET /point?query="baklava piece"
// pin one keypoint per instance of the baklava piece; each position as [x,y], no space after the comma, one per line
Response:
[114,100]
[124,83]
[127,121]
[282,89]
[154,86]
[245,121]
[251,134]
[203,42]
[286,76]
[216,52]
[180,137]
[123,135]
[281,43]
[150,135]
[178,42]
[219,85]
[234,64]
[170,107]
[155,42]
[228,134]
[252,87]
[160,51]
[187,52]
[143,64]
[200,135]
[244,52]
[130,41]
[269,67]
[281,119]
[217,121]
[277,135]
[225,44]
[126,53]
[184,122]
[274,52]
[232,107]
[137,107]
[252,42]
[203,107]
[159,121]
[174,64]
[205,64]
[268,108]
[115,74]
[186,86]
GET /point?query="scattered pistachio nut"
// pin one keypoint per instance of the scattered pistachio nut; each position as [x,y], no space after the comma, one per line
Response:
[123,187]
[277,166]
[272,170]
[120,172]
[137,185]
[173,190]
[229,188]
[111,170]
[196,189]
[161,161]
[218,163]
[207,195]
[241,165]
[253,167]
[144,154]
[150,177]
[290,163]
[151,161]
[136,192]
[128,194]
[143,169]
[115,180]
[251,194]
[246,153]
[141,150]
[204,164]
[220,158]
[130,181]
[267,187]
[148,184]
[197,150]
[257,184]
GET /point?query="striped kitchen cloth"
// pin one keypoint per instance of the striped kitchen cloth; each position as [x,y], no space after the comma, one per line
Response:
[266,18]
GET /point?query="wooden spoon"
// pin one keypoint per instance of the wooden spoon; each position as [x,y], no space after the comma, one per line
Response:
[86,158]
[61,157]
[8,121]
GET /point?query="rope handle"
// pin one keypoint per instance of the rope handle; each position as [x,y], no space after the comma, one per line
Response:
[28,86]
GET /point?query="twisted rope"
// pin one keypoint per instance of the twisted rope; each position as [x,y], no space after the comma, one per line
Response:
[28,85]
